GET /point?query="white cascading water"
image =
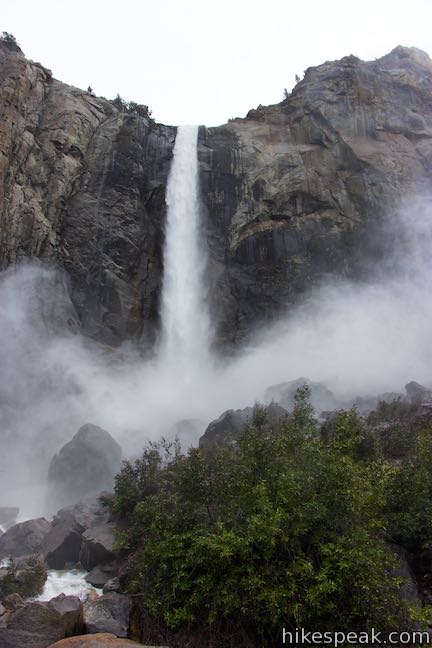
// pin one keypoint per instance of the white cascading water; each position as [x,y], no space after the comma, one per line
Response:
[184,312]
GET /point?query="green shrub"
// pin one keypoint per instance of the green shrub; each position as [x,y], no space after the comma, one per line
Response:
[27,581]
[283,528]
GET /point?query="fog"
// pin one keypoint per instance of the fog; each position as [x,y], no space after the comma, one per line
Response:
[357,337]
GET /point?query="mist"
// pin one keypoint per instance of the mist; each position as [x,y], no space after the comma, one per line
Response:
[359,338]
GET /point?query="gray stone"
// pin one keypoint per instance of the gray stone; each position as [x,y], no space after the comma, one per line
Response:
[70,609]
[102,574]
[418,393]
[113,585]
[24,538]
[229,425]
[321,397]
[62,545]
[85,465]
[98,545]
[34,625]
[290,194]
[108,613]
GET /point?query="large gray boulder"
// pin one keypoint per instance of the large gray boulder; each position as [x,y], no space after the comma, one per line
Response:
[38,625]
[108,613]
[24,538]
[98,545]
[85,465]
[321,399]
[418,393]
[229,425]
[62,545]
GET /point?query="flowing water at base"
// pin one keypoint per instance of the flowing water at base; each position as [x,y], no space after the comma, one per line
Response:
[71,583]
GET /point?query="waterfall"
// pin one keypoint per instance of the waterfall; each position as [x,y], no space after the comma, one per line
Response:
[184,312]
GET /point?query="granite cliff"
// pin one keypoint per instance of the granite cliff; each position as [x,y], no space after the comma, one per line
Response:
[290,193]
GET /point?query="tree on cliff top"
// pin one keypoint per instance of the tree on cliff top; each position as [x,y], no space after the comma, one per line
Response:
[131,107]
[10,41]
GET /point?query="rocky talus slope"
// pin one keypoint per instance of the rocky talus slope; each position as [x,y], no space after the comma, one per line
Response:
[290,193]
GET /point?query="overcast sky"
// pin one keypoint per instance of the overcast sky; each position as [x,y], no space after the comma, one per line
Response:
[203,62]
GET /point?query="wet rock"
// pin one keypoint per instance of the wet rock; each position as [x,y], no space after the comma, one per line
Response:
[113,585]
[38,625]
[321,397]
[12,602]
[418,393]
[85,465]
[108,613]
[24,538]
[8,516]
[98,545]
[90,595]
[71,610]
[290,194]
[34,625]
[229,425]
[293,192]
[62,545]
[72,167]
[102,574]
[99,640]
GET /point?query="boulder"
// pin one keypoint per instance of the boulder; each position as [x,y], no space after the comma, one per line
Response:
[113,585]
[98,545]
[108,613]
[62,545]
[24,538]
[102,574]
[321,398]
[99,640]
[38,625]
[229,425]
[71,610]
[85,465]
[418,393]
[8,516]
[34,626]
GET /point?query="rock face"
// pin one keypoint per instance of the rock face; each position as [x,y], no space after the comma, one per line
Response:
[293,190]
[290,193]
[84,185]
[84,466]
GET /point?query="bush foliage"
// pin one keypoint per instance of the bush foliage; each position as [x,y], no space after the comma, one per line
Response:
[287,527]
[131,107]
[26,581]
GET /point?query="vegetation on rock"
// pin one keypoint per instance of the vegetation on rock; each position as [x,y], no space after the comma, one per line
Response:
[132,107]
[27,581]
[291,526]
[10,41]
